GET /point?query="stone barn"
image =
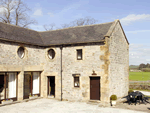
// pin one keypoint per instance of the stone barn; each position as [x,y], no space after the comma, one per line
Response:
[76,64]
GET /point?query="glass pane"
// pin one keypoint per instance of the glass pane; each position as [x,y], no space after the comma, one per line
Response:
[11,90]
[35,82]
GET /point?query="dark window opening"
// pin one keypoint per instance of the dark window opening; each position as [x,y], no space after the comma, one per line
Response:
[79,54]
[51,53]
[76,82]
[21,52]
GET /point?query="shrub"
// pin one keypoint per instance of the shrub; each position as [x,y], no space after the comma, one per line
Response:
[130,91]
[113,97]
[146,69]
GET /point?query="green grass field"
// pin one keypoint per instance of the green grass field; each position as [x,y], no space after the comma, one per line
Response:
[140,90]
[139,76]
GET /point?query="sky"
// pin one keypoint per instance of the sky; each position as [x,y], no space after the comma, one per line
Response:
[134,16]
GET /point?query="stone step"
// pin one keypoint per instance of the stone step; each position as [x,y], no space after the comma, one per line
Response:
[93,102]
[50,97]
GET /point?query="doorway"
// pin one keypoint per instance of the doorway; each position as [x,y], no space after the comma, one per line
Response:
[51,86]
[1,87]
[8,86]
[95,88]
[31,84]
[27,86]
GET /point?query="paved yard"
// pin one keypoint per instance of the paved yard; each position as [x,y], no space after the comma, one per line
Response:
[55,106]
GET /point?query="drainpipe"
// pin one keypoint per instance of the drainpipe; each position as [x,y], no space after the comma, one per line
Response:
[61,47]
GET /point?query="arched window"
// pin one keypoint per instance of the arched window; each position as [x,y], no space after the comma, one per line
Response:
[51,53]
[21,52]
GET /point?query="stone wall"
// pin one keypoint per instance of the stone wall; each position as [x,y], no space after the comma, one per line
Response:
[119,63]
[85,67]
[33,60]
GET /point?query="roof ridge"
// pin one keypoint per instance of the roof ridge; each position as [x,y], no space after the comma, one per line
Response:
[76,27]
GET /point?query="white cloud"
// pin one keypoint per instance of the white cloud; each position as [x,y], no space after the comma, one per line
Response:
[132,18]
[2,10]
[37,27]
[72,7]
[38,12]
[51,14]
[139,53]
[137,31]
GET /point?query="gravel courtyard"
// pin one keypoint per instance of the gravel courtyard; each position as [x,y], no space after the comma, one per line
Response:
[55,106]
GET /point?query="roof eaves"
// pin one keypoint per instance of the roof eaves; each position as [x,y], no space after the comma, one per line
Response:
[74,43]
[1,38]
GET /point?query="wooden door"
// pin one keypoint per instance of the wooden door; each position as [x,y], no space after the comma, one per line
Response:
[27,86]
[95,88]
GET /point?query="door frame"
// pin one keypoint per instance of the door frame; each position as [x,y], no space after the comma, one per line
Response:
[90,87]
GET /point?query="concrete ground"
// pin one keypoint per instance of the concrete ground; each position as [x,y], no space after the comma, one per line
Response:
[55,106]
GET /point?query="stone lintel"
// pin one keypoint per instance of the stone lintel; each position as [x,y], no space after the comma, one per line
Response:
[19,68]
[33,68]
[50,73]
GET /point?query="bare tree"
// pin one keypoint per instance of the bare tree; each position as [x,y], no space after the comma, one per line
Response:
[49,27]
[15,12]
[80,22]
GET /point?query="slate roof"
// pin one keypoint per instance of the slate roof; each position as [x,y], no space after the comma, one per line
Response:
[19,34]
[80,34]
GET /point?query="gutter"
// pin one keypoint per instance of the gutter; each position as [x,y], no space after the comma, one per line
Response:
[61,47]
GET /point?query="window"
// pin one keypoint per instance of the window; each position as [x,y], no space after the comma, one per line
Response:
[76,81]
[21,52]
[51,53]
[79,54]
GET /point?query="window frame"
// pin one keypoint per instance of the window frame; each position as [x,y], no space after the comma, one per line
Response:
[79,50]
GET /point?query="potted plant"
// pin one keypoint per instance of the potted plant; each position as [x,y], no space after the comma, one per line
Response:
[7,101]
[33,96]
[130,91]
[113,99]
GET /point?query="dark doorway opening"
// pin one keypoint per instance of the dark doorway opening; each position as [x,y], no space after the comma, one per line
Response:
[95,88]
[1,87]
[51,86]
[8,86]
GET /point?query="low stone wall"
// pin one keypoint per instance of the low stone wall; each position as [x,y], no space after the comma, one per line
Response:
[145,87]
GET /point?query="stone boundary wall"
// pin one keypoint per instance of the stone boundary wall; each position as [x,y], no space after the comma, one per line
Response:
[144,87]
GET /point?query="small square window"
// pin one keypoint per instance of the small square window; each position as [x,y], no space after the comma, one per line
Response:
[76,82]
[79,54]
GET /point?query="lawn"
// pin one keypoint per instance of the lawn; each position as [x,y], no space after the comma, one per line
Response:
[139,76]
[141,90]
